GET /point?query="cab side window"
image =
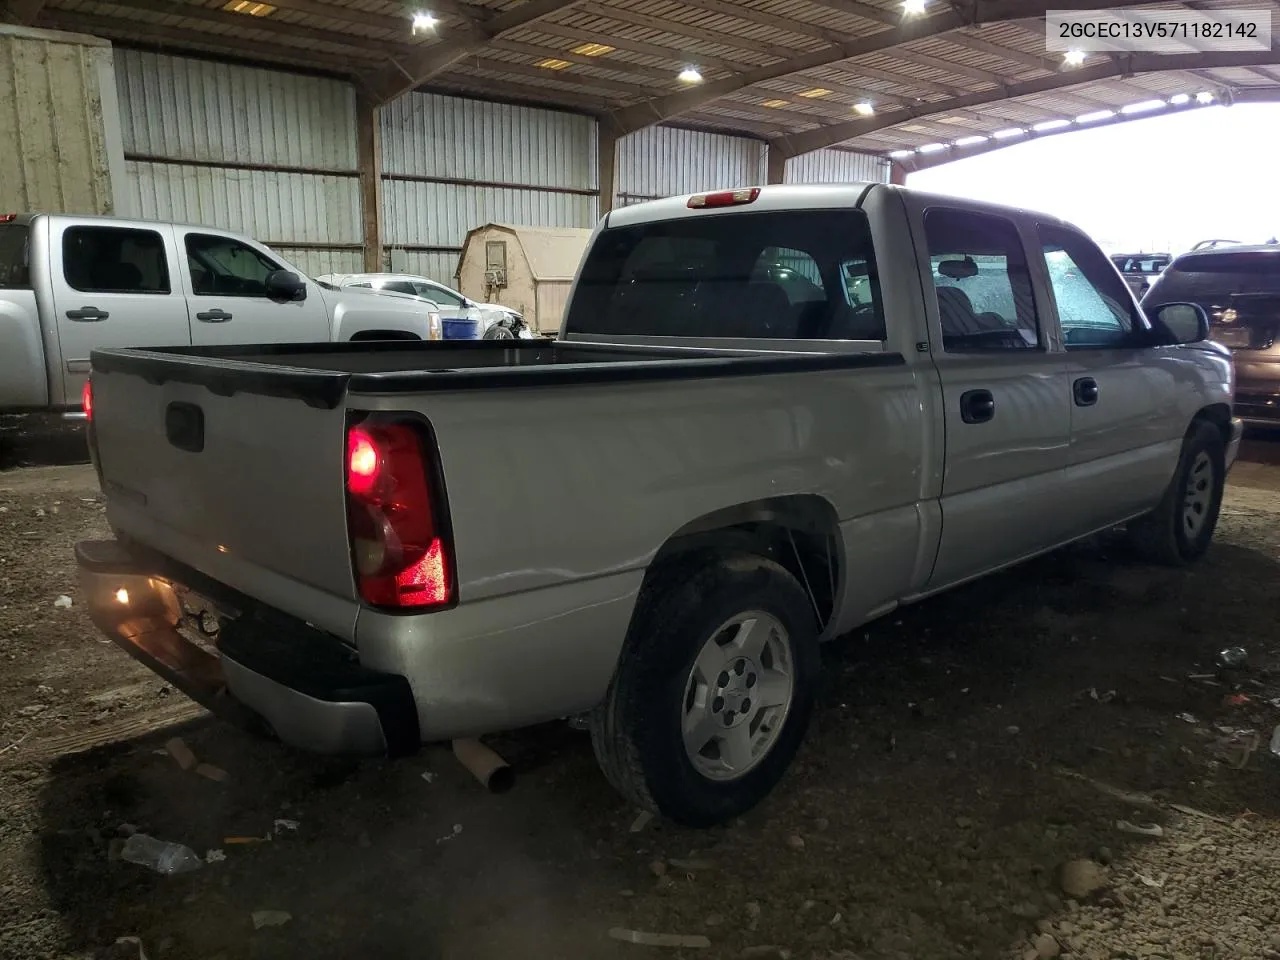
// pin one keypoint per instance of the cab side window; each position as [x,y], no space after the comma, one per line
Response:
[981,280]
[1095,308]
[114,260]
[221,266]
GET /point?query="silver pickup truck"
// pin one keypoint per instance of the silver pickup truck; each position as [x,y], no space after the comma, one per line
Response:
[772,415]
[71,284]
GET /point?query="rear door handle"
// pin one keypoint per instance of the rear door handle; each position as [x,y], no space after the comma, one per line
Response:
[213,316]
[1085,391]
[977,406]
[87,314]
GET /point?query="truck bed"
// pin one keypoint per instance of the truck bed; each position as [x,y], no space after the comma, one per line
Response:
[321,373]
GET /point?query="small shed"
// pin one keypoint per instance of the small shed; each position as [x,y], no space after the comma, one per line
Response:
[529,269]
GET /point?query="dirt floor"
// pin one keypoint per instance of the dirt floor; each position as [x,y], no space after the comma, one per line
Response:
[982,780]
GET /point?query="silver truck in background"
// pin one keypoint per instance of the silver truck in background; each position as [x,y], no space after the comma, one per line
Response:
[772,415]
[72,284]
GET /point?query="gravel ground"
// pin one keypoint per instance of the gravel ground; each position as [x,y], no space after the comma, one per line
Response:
[1046,763]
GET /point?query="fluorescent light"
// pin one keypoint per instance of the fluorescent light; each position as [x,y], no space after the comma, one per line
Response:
[690,75]
[1073,58]
[864,109]
[970,141]
[424,22]
[1204,97]
[899,154]
[1009,132]
[932,147]
[774,104]
[1142,106]
[1050,125]
[913,8]
[1178,99]
[593,49]
[249,8]
[551,63]
[1095,116]
[814,93]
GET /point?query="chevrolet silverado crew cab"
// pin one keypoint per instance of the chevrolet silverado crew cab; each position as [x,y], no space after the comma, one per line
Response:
[69,285]
[771,415]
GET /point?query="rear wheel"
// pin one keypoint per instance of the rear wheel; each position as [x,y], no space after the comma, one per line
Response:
[1179,530]
[713,691]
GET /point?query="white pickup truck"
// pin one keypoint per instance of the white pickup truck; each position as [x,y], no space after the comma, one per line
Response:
[772,415]
[69,285]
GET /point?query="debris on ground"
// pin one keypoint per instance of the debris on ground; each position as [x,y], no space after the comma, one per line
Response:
[161,856]
[795,842]
[1045,947]
[1188,718]
[125,948]
[63,602]
[680,940]
[457,829]
[644,817]
[690,866]
[181,753]
[282,824]
[1140,830]
[270,918]
[1233,658]
[211,772]
[214,856]
[1275,741]
[1081,878]
[428,776]
[241,841]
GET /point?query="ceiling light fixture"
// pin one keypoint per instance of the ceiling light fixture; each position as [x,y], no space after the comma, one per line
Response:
[1204,97]
[424,22]
[971,141]
[593,49]
[249,8]
[1073,58]
[1178,99]
[864,109]
[551,63]
[690,75]
[932,147]
[1009,132]
[774,104]
[899,154]
[1046,125]
[1095,116]
[913,8]
[1143,106]
[814,93]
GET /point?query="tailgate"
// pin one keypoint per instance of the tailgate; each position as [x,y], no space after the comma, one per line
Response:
[246,488]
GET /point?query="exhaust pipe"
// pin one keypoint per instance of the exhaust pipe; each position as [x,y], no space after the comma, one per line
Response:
[485,765]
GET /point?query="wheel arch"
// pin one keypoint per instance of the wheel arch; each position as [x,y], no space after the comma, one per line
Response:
[1217,414]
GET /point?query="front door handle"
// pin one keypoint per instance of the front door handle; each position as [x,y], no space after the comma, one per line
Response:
[87,314]
[1085,391]
[977,406]
[213,316]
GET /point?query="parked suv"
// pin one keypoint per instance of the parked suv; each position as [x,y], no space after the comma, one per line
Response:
[1239,288]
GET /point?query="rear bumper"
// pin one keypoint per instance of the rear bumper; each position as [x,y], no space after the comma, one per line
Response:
[264,671]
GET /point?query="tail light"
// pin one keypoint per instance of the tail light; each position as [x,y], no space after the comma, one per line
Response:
[723,198]
[400,546]
[86,399]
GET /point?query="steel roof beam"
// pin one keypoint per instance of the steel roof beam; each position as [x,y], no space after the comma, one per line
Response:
[1139,63]
[407,72]
[23,12]
[663,108]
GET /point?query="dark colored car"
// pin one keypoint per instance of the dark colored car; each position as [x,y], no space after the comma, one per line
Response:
[1139,269]
[1239,287]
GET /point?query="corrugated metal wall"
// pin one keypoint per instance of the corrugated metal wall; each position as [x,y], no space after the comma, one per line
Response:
[836,166]
[450,165]
[664,161]
[260,152]
[59,130]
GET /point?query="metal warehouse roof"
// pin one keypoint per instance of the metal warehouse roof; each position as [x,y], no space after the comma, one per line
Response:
[792,71]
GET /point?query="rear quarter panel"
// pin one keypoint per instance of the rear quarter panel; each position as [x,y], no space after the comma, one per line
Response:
[24,376]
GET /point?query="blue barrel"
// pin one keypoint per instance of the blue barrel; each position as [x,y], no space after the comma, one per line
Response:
[461,329]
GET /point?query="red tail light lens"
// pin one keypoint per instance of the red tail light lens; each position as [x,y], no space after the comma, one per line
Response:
[723,198]
[399,542]
[86,399]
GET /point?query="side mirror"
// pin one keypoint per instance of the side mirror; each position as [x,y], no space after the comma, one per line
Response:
[285,285]
[1183,322]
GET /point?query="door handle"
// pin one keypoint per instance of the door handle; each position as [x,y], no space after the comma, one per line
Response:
[977,406]
[1085,391]
[213,316]
[87,314]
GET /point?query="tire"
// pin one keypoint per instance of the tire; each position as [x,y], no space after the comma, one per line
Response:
[1178,531]
[498,332]
[732,603]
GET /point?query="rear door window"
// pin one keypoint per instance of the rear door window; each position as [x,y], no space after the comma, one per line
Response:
[15,262]
[114,260]
[802,275]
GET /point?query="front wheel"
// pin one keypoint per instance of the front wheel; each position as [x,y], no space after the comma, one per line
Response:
[713,691]
[499,332]
[1179,529]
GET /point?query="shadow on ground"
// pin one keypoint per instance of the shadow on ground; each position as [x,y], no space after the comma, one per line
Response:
[41,440]
[942,784]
